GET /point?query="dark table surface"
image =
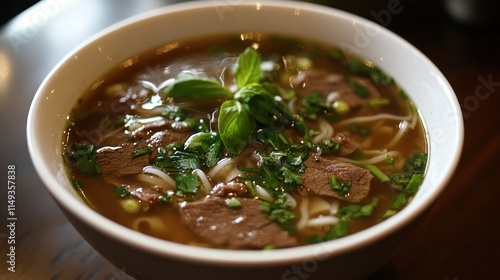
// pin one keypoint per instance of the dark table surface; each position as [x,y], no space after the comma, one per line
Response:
[457,239]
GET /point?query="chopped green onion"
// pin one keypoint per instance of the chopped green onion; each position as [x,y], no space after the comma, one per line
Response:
[389,213]
[379,102]
[342,188]
[367,210]
[378,173]
[398,202]
[140,152]
[268,247]
[334,183]
[341,107]
[233,202]
[389,159]
[131,205]
[338,230]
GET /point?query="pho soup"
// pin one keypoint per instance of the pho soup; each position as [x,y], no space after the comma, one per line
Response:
[249,141]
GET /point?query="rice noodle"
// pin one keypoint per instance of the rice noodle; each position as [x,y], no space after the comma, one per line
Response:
[372,160]
[332,96]
[222,164]
[207,187]
[304,213]
[334,207]
[325,131]
[264,193]
[403,126]
[372,118]
[231,175]
[156,111]
[153,180]
[318,205]
[414,119]
[374,152]
[152,170]
[322,221]
[149,225]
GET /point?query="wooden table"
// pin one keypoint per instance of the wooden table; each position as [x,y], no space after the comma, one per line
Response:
[457,239]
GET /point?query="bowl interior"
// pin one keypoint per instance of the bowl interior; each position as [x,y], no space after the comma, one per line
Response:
[83,67]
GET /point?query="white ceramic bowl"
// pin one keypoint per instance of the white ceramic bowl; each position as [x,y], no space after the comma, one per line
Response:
[355,256]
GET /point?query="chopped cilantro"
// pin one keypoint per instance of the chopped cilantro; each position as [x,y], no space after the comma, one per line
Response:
[415,163]
[397,203]
[279,171]
[358,211]
[315,105]
[167,197]
[122,191]
[186,183]
[279,212]
[83,156]
[412,176]
[327,146]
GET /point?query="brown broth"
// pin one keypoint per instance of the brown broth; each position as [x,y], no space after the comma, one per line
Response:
[98,115]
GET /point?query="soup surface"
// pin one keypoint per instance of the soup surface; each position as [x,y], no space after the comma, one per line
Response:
[248,141]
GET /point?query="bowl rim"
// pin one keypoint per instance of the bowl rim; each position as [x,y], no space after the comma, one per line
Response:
[220,256]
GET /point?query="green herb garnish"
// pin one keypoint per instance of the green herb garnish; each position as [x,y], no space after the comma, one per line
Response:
[122,191]
[186,183]
[357,211]
[83,156]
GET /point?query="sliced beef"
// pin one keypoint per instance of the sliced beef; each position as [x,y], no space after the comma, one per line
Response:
[162,138]
[148,196]
[119,160]
[245,227]
[348,144]
[116,155]
[146,130]
[307,82]
[319,171]
[120,97]
[229,189]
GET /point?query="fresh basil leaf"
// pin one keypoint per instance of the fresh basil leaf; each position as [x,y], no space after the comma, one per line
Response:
[205,144]
[244,94]
[194,87]
[248,68]
[235,125]
[259,102]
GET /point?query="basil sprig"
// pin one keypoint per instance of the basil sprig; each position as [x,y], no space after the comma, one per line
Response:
[248,68]
[252,106]
[195,87]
